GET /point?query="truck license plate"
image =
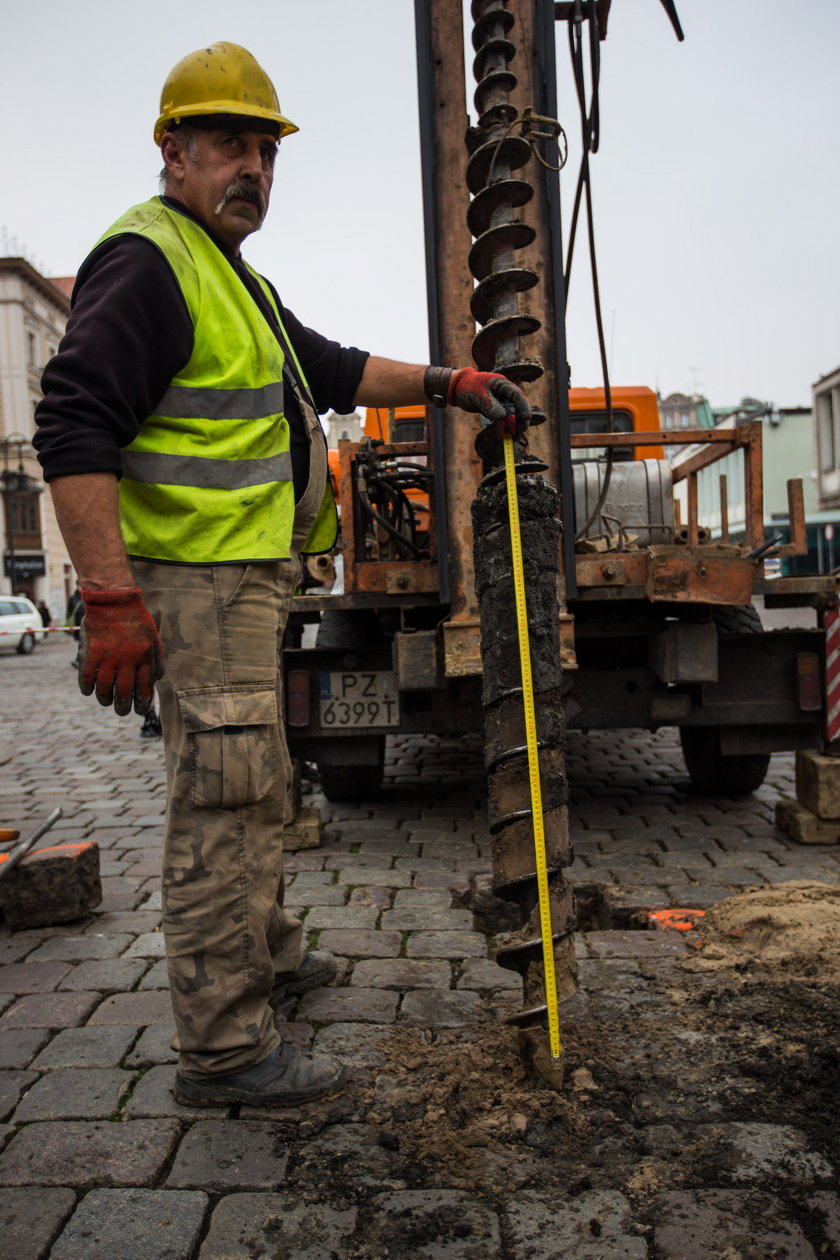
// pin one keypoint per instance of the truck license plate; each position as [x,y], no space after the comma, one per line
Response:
[358,699]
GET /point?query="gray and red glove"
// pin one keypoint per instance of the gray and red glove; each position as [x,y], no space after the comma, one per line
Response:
[120,652]
[488,393]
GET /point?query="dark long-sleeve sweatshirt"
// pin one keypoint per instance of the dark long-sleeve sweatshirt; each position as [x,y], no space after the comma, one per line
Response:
[129,334]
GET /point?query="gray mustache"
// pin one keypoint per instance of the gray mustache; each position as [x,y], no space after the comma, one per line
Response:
[247,191]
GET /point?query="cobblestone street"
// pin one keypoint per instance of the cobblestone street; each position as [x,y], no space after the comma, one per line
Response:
[695,1122]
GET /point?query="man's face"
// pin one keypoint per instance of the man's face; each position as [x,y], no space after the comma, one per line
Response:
[225,181]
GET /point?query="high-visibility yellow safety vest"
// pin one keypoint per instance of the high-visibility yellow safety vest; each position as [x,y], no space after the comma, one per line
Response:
[208,479]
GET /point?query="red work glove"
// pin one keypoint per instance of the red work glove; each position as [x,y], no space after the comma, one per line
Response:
[120,653]
[489,394]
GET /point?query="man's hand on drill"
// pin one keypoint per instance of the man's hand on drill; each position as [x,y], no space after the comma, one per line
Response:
[120,653]
[491,395]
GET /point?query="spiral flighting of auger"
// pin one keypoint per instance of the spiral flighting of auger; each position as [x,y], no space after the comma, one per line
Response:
[496,153]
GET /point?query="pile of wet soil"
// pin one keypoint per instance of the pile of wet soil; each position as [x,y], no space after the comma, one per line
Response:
[461,1106]
[718,1070]
[794,925]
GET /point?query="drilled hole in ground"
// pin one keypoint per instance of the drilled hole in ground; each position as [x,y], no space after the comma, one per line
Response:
[596,909]
[597,912]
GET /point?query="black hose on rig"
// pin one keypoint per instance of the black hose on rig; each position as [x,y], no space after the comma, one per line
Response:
[497,152]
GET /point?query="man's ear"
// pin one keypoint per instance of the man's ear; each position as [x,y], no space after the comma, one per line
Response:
[173,155]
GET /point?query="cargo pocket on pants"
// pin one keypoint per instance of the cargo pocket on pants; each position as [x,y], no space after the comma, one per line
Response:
[232,735]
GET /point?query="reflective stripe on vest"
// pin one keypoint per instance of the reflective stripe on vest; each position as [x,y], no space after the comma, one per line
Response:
[222,404]
[210,474]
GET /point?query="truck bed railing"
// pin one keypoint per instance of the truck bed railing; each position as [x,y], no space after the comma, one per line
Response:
[711,446]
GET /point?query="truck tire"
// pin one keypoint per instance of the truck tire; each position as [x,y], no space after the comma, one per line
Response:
[351,782]
[712,772]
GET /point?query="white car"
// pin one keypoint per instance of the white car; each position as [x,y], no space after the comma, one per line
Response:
[20,624]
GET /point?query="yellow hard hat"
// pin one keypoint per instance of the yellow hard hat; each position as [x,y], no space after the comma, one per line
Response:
[221,79]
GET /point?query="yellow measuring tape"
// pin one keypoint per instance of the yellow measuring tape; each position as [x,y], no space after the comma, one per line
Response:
[533,753]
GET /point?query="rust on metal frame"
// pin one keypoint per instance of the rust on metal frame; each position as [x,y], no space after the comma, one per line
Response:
[696,578]
[724,509]
[798,545]
[456,328]
[714,444]
[461,648]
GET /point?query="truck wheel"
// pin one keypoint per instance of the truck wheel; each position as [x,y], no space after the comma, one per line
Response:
[712,772]
[352,783]
[27,644]
[350,630]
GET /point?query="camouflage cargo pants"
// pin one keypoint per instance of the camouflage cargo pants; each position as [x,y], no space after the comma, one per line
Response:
[227,766]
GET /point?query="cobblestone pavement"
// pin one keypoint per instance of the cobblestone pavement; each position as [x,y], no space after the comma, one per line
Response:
[663,1149]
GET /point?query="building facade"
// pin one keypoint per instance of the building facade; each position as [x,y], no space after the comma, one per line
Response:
[826,402]
[33,315]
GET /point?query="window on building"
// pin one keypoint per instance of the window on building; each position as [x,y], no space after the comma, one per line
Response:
[826,437]
[32,358]
[25,520]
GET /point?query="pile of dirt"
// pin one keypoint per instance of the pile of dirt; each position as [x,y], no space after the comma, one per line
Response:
[457,1099]
[795,925]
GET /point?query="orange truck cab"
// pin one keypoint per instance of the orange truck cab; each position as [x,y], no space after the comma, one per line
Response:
[635,409]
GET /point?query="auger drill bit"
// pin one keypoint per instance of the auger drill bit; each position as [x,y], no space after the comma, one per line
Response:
[496,152]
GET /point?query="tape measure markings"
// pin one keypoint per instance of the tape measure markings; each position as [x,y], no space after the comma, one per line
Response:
[533,753]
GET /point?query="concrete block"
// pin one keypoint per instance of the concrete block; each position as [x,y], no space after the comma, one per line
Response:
[818,783]
[53,885]
[694,1224]
[105,975]
[229,1155]
[358,1044]
[152,1097]
[134,1225]
[35,977]
[441,1008]
[401,973]
[85,1048]
[452,1225]
[153,1047]
[247,1225]
[360,942]
[31,1218]
[151,1006]
[357,1006]
[84,1153]
[304,831]
[446,945]
[592,1226]
[18,1046]
[13,1085]
[74,1094]
[803,825]
[50,1010]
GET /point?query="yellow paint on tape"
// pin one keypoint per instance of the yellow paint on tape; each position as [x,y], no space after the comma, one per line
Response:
[554,1041]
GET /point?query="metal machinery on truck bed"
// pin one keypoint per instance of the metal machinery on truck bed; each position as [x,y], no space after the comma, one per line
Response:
[656,618]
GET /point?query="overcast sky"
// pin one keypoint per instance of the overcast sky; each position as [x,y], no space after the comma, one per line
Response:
[716,188]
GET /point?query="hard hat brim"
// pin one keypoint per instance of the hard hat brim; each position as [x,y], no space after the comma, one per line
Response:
[172,114]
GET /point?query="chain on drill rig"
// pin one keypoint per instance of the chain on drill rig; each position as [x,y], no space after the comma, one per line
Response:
[495,153]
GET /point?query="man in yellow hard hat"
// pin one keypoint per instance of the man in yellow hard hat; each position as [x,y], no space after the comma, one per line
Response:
[179,433]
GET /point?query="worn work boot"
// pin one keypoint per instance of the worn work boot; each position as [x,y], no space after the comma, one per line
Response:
[318,967]
[286,1077]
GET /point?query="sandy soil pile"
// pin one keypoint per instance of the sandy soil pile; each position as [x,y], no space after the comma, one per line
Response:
[795,925]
